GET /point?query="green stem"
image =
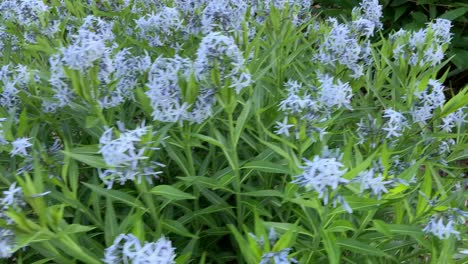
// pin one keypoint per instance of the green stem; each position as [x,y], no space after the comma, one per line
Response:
[236,171]
[191,165]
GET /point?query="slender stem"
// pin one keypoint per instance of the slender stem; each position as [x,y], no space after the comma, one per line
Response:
[191,166]
[237,176]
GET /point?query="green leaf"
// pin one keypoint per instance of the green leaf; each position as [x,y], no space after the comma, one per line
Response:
[91,160]
[285,241]
[399,12]
[382,227]
[210,140]
[115,195]
[177,228]
[171,193]
[454,14]
[111,226]
[409,230]
[340,226]
[362,248]
[331,247]
[362,166]
[419,17]
[240,124]
[264,193]
[287,227]
[267,166]
[426,189]
[455,103]
[247,253]
[76,228]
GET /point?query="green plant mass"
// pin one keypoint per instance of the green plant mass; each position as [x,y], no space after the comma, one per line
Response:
[251,132]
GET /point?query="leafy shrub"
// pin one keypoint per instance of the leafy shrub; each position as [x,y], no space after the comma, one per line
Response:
[411,14]
[226,132]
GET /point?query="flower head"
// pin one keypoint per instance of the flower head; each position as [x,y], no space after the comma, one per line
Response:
[20,146]
[440,228]
[322,174]
[220,51]
[128,249]
[125,157]
[395,124]
[7,243]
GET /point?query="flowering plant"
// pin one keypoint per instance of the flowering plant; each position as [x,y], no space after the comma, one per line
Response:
[137,131]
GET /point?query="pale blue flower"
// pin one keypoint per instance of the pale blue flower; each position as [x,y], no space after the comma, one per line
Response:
[433,55]
[334,94]
[322,175]
[370,180]
[431,98]
[20,147]
[13,197]
[297,102]
[166,95]
[124,156]
[452,120]
[440,228]
[372,11]
[279,257]
[441,30]
[7,243]
[341,46]
[128,249]
[158,28]
[221,50]
[223,15]
[396,123]
[24,12]
[283,127]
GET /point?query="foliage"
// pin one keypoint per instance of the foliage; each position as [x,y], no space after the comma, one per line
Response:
[413,14]
[226,132]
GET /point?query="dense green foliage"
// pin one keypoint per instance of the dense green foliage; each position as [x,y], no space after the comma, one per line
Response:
[277,137]
[414,14]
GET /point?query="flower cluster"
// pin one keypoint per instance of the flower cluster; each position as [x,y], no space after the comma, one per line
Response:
[7,243]
[223,16]
[20,146]
[368,19]
[89,44]
[368,130]
[122,71]
[169,102]
[372,180]
[279,257]
[14,80]
[431,98]
[273,257]
[453,120]
[323,175]
[12,198]
[125,157]
[23,12]
[299,100]
[220,52]
[395,123]
[334,94]
[343,44]
[415,47]
[157,29]
[313,104]
[442,225]
[128,249]
[7,39]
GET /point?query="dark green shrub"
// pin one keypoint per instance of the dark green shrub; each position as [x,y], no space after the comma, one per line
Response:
[414,14]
